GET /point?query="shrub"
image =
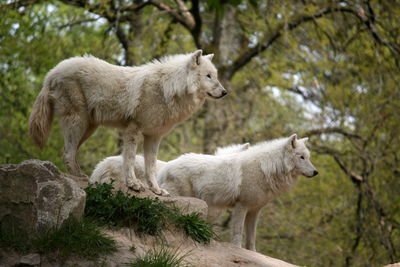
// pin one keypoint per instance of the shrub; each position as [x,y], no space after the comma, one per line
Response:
[148,216]
[198,229]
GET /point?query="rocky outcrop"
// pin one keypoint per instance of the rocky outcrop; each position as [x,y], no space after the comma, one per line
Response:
[215,254]
[131,245]
[36,196]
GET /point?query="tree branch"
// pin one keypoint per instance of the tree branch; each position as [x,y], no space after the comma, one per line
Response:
[331,130]
[248,55]
[134,7]
[245,57]
[123,38]
[77,22]
[369,21]
[354,177]
[99,9]
[196,32]
[359,227]
[102,10]
[181,14]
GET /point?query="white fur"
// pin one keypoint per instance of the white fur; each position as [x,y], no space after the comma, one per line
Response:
[244,181]
[111,168]
[231,149]
[147,100]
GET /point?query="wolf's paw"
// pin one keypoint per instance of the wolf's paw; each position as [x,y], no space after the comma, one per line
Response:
[159,191]
[138,187]
[164,193]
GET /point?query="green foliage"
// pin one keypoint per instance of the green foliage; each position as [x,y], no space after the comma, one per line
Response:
[147,216]
[163,257]
[83,238]
[198,229]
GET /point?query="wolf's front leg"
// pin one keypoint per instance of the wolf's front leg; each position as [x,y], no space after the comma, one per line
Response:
[130,139]
[151,144]
[251,227]
[238,216]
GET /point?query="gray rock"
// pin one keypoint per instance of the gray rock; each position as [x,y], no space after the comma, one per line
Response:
[36,196]
[30,259]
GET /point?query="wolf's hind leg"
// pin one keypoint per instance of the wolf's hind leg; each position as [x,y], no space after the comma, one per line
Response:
[73,128]
[151,144]
[88,132]
[130,140]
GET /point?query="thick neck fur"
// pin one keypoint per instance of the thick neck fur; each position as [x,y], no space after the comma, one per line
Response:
[181,107]
[274,160]
[175,76]
[177,85]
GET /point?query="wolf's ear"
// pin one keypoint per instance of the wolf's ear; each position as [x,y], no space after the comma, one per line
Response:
[209,56]
[196,56]
[304,140]
[293,141]
[245,146]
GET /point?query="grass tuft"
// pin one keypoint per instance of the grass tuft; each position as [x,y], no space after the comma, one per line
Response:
[163,257]
[198,229]
[76,237]
[147,216]
[83,238]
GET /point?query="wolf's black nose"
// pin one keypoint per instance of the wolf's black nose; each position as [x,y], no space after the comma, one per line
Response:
[315,172]
[224,92]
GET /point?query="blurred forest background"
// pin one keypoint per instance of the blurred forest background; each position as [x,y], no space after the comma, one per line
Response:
[326,69]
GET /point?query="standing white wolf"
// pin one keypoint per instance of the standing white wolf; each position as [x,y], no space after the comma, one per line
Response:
[244,181]
[147,100]
[111,167]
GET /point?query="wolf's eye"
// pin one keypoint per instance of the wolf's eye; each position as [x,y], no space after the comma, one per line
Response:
[208,76]
[301,157]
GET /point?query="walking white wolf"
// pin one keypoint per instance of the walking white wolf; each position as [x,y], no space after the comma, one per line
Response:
[244,181]
[151,99]
[111,167]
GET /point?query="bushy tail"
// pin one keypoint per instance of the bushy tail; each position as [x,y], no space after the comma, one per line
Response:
[41,118]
